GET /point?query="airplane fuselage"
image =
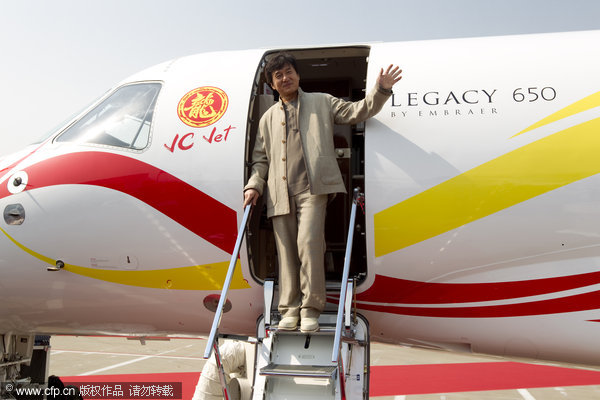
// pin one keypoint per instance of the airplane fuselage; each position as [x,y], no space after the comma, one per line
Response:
[480,228]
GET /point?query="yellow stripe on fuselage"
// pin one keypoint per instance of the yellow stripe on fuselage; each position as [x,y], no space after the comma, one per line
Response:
[584,104]
[547,164]
[199,277]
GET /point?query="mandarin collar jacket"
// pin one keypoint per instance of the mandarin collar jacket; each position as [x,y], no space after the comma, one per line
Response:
[317,114]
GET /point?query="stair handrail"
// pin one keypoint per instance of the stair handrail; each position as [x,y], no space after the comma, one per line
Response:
[227,283]
[358,197]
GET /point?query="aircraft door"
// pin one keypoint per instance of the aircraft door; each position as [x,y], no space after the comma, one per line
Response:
[340,72]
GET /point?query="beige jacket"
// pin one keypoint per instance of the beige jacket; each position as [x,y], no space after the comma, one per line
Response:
[317,113]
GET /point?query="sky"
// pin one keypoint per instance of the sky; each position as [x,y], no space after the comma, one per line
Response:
[58,56]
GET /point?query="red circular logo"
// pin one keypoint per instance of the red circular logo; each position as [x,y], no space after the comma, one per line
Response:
[202,106]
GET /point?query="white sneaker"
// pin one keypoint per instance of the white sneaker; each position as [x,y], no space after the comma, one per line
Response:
[309,324]
[288,323]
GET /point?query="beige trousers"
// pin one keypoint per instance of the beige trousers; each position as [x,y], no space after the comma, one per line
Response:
[300,239]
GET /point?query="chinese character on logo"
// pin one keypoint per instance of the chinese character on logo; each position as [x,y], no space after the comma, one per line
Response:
[202,106]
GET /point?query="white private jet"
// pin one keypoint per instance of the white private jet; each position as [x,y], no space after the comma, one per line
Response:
[480,231]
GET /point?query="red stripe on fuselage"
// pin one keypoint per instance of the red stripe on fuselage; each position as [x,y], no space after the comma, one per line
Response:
[580,302]
[14,164]
[190,207]
[401,291]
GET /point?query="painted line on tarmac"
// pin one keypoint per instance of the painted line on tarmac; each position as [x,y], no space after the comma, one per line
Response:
[525,394]
[108,353]
[131,361]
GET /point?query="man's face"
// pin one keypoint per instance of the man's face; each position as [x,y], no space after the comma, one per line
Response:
[286,81]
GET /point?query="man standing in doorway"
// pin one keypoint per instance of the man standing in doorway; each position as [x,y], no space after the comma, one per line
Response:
[294,151]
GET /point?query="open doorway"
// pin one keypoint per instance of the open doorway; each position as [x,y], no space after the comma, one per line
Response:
[341,72]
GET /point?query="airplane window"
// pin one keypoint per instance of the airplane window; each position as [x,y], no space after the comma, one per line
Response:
[122,120]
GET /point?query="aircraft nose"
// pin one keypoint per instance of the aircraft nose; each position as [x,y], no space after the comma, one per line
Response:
[12,180]
[11,177]
[17,182]
[3,164]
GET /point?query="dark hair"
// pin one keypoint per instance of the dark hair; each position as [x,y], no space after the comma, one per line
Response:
[277,62]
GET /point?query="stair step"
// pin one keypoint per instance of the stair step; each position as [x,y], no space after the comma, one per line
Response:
[323,330]
[309,371]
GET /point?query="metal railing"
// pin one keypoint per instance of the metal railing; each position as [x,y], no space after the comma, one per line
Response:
[358,198]
[219,311]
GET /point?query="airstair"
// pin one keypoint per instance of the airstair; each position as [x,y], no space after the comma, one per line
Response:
[332,363]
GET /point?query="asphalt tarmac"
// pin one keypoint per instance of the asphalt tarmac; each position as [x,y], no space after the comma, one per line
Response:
[397,372]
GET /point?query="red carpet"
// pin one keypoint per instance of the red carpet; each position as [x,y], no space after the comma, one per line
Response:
[188,380]
[412,379]
[446,378]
